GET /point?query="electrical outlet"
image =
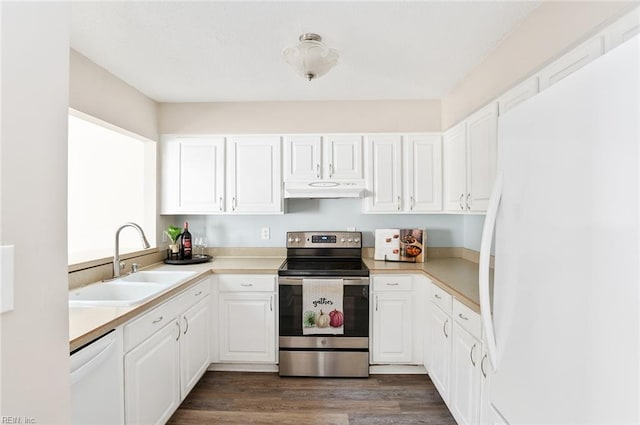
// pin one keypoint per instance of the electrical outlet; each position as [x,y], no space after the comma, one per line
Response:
[351,229]
[164,238]
[265,234]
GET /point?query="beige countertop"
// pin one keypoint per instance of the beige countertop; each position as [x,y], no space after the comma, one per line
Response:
[456,275]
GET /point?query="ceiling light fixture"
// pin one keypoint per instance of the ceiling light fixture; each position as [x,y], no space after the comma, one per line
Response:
[311,58]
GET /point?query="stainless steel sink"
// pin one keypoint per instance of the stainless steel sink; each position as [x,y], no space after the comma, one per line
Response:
[128,290]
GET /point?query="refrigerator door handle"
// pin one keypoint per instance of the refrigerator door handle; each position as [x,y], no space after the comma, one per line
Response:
[485,256]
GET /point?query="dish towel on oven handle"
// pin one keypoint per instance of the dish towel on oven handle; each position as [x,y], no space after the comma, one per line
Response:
[322,306]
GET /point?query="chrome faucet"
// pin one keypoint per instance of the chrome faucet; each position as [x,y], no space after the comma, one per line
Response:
[116,256]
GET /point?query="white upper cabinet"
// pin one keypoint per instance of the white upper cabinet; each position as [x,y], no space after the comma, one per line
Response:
[343,157]
[404,173]
[254,177]
[193,175]
[482,151]
[470,161]
[302,158]
[384,162]
[315,157]
[571,62]
[517,95]
[623,29]
[422,165]
[455,167]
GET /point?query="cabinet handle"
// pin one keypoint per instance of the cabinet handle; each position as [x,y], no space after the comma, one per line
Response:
[460,201]
[376,303]
[271,303]
[411,202]
[158,320]
[462,317]
[330,170]
[186,322]
[233,203]
[179,332]
[398,203]
[246,284]
[467,202]
[444,328]
[220,203]
[392,284]
[198,294]
[473,362]
[317,171]
[482,365]
[438,296]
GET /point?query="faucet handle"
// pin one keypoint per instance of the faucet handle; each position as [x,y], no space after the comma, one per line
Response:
[122,264]
[134,267]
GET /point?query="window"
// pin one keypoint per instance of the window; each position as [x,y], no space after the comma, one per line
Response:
[111,181]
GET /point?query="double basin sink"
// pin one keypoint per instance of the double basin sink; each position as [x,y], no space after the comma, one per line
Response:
[129,290]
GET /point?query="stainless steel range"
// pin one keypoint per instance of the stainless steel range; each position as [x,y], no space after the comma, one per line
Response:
[311,258]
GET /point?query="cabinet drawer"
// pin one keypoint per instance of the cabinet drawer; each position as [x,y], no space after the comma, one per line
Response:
[392,283]
[150,322]
[467,318]
[247,283]
[194,294]
[441,298]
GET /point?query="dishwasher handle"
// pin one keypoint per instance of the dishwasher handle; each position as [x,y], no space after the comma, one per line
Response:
[90,357]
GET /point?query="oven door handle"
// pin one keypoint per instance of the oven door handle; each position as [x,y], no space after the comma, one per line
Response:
[346,281]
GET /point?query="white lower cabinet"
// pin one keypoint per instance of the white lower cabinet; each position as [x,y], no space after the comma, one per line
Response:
[152,378]
[167,351]
[465,376]
[396,336]
[438,339]
[247,318]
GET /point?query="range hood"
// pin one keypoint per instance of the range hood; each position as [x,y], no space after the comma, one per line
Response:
[324,189]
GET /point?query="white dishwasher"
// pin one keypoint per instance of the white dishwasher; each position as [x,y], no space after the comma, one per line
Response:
[97,381]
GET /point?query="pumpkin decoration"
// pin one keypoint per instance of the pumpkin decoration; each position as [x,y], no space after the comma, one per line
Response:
[336,318]
[309,319]
[322,321]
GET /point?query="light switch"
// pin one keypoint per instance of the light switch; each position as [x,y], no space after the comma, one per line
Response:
[6,278]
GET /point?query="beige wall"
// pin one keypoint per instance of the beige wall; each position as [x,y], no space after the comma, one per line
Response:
[95,91]
[300,117]
[549,31]
[34,90]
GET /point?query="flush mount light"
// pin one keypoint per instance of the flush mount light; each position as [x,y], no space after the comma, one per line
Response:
[311,58]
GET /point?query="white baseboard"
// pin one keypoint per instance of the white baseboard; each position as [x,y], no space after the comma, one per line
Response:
[242,367]
[394,369]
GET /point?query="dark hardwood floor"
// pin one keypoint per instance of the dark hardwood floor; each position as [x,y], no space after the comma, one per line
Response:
[265,398]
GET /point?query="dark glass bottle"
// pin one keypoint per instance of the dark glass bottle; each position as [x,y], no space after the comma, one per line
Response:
[185,244]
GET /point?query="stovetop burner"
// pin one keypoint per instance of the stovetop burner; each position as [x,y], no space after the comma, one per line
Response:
[324,254]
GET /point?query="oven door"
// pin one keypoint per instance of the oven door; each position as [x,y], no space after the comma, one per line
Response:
[355,305]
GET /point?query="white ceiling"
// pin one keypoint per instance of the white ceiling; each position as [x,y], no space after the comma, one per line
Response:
[231,51]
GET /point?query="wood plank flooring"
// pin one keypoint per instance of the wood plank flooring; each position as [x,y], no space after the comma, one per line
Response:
[236,398]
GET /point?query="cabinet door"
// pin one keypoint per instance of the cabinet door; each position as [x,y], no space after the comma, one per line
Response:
[255,184]
[152,378]
[517,95]
[343,158]
[194,345]
[464,401]
[192,175]
[439,333]
[623,29]
[455,167]
[384,163]
[485,388]
[392,327]
[482,152]
[422,173]
[571,62]
[247,327]
[302,158]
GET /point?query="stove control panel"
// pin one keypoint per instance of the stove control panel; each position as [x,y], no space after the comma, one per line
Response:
[324,240]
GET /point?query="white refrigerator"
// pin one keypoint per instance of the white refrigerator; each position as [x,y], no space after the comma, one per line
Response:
[563,332]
